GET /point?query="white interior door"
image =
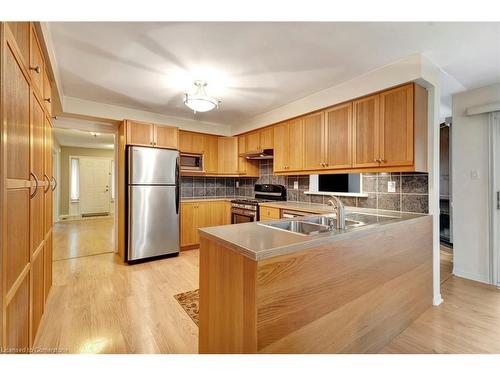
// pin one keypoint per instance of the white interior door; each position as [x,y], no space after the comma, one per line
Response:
[94,185]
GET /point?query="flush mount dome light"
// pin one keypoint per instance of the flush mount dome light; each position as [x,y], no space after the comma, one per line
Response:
[200,101]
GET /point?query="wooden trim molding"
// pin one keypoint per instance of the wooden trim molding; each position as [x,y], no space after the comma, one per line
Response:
[15,286]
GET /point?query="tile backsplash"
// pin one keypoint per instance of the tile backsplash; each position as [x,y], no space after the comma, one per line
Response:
[411,189]
[198,187]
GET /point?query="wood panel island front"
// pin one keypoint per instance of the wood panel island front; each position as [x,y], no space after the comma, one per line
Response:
[265,290]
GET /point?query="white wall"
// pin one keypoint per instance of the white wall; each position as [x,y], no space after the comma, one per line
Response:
[89,108]
[470,196]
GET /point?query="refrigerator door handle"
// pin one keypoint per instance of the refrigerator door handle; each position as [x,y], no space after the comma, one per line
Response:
[177,187]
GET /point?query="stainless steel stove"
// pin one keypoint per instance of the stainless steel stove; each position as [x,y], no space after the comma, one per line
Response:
[247,209]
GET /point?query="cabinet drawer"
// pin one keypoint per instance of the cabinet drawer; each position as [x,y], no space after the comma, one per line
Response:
[269,213]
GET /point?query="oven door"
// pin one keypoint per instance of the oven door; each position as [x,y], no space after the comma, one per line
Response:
[242,216]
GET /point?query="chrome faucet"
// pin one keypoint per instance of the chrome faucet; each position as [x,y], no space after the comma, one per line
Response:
[338,207]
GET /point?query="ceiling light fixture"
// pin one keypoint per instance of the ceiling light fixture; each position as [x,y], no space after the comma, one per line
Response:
[200,101]
[94,134]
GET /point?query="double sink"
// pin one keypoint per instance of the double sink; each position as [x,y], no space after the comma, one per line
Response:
[326,223]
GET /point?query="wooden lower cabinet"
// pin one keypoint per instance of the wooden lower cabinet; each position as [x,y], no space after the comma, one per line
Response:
[16,336]
[269,213]
[201,214]
[220,213]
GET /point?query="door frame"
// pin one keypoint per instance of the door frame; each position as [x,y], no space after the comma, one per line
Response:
[79,157]
[108,127]
[56,170]
[494,199]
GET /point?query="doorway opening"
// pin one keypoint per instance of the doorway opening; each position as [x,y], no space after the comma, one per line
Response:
[445,201]
[86,197]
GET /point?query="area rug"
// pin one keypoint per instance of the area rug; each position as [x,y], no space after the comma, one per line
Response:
[189,301]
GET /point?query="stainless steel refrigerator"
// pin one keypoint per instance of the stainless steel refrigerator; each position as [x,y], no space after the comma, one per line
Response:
[152,202]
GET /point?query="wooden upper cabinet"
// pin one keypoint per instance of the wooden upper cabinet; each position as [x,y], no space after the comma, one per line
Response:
[295,145]
[190,142]
[22,33]
[36,66]
[242,148]
[366,132]
[280,147]
[47,93]
[396,127]
[228,155]
[16,106]
[140,133]
[338,137]
[151,135]
[166,137]
[253,141]
[211,154]
[314,141]
[267,138]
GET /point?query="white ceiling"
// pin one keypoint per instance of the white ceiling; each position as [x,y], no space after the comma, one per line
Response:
[79,138]
[257,67]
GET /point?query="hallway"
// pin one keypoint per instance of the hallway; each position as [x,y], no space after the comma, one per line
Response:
[84,237]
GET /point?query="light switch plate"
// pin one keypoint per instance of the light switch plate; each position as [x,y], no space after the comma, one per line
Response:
[391,186]
[296,185]
[474,175]
[237,184]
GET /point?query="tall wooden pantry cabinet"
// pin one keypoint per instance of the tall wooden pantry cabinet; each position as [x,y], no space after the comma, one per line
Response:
[26,185]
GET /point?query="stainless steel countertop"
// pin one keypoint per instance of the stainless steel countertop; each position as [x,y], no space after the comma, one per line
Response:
[257,241]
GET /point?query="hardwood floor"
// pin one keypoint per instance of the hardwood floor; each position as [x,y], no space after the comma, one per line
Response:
[468,321]
[98,305]
[446,263]
[79,238]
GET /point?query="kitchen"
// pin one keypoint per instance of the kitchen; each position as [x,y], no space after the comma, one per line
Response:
[309,226]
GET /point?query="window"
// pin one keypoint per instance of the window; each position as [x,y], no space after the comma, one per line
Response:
[112,180]
[75,180]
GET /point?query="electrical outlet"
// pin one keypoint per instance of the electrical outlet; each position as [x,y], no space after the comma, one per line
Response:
[391,186]
[237,184]
[296,185]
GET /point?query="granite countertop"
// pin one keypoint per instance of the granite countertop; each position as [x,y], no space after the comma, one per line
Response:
[258,241]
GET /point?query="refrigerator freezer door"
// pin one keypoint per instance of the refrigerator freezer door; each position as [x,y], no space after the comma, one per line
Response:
[153,221]
[152,166]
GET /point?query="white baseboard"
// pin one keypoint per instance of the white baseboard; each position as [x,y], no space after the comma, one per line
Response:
[472,276]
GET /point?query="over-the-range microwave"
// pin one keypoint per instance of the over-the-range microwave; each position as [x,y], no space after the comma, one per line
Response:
[191,162]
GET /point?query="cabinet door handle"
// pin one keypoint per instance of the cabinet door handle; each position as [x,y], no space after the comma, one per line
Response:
[55,183]
[48,182]
[32,195]
[36,69]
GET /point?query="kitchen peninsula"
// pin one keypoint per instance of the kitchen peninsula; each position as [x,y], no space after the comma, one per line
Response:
[268,290]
